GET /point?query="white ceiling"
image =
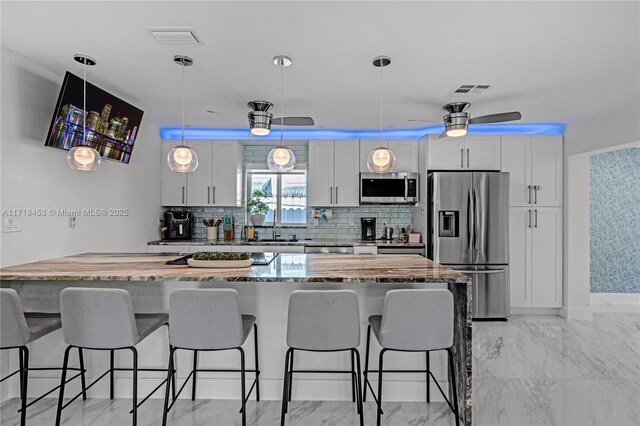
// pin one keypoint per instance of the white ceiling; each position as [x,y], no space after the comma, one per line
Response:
[553,61]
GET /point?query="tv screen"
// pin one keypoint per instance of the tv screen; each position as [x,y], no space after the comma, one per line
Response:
[112,124]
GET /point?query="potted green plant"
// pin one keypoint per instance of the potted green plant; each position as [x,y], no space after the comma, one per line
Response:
[258,209]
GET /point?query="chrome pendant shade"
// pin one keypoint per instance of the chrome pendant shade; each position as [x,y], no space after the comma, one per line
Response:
[182,158]
[281,158]
[84,157]
[381,159]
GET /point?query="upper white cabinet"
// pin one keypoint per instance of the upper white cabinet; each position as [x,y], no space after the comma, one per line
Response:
[217,181]
[333,173]
[406,152]
[174,184]
[470,152]
[535,164]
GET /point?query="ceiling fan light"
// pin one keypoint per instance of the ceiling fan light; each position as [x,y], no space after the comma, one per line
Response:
[260,122]
[182,159]
[456,131]
[281,159]
[381,160]
[84,158]
[260,131]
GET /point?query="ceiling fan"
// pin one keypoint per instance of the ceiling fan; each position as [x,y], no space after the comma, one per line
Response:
[456,122]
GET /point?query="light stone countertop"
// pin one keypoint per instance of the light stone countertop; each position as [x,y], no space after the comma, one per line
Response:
[285,268]
[305,243]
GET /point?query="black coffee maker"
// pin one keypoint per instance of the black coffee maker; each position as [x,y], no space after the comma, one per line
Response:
[368,228]
[179,225]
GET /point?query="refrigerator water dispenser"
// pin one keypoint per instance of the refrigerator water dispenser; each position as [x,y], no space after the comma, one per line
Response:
[448,224]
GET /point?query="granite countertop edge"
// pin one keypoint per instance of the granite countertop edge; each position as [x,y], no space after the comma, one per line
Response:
[304,243]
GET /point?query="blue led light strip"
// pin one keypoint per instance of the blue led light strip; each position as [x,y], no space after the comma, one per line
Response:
[418,133]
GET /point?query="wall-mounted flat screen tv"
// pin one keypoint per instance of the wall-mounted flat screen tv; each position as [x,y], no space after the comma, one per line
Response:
[112,124]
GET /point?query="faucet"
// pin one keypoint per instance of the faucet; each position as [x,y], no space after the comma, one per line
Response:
[274,234]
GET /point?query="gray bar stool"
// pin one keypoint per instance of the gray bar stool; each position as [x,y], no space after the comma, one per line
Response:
[209,320]
[413,321]
[103,319]
[323,321]
[18,329]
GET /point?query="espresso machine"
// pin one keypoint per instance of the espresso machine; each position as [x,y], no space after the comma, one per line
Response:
[368,228]
[179,225]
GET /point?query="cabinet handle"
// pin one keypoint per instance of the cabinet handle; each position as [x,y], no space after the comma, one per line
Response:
[529,220]
[468,158]
[461,158]
[213,195]
[529,194]
[331,195]
[336,195]
[183,195]
[208,195]
[537,187]
[535,212]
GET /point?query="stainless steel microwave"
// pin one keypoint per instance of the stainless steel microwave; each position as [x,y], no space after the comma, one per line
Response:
[388,188]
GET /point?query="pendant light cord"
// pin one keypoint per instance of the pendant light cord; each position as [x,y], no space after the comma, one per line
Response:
[84,102]
[182,135]
[381,100]
[281,63]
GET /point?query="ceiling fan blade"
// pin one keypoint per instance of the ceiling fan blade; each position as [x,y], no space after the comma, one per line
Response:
[423,121]
[496,118]
[226,115]
[293,121]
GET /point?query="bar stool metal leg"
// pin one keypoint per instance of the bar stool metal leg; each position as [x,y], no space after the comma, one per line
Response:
[63,378]
[366,364]
[82,376]
[24,366]
[453,386]
[242,385]
[359,386]
[428,383]
[353,379]
[379,411]
[170,375]
[291,374]
[255,345]
[111,374]
[285,387]
[194,372]
[135,385]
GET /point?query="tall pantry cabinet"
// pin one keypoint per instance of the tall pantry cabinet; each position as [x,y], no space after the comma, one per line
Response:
[535,165]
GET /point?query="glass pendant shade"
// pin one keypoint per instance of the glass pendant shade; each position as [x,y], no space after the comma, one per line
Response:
[281,159]
[84,158]
[381,160]
[182,159]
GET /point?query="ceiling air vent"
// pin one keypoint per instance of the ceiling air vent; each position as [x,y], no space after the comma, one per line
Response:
[174,36]
[470,89]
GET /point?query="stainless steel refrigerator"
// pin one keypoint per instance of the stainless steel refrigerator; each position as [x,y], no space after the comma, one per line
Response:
[469,231]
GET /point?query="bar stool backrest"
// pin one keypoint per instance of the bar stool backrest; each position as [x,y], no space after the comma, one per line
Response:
[323,320]
[205,319]
[417,320]
[98,318]
[14,330]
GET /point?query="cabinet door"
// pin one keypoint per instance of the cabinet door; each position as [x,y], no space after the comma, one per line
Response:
[199,182]
[445,153]
[546,169]
[516,159]
[320,173]
[546,258]
[227,174]
[519,254]
[346,191]
[174,184]
[482,152]
[406,153]
[366,146]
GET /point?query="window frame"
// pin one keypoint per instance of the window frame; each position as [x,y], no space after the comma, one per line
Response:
[261,169]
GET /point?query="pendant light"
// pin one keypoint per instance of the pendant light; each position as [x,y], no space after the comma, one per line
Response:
[281,158]
[83,157]
[381,159]
[182,158]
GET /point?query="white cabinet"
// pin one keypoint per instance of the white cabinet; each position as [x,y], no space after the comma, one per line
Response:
[535,164]
[406,152]
[535,266]
[470,152]
[218,179]
[333,174]
[174,184]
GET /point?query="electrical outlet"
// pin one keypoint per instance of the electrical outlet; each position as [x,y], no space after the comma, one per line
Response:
[350,221]
[72,222]
[11,224]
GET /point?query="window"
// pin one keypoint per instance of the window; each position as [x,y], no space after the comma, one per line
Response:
[286,195]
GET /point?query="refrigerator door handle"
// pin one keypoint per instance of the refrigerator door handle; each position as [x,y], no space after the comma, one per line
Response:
[476,212]
[470,224]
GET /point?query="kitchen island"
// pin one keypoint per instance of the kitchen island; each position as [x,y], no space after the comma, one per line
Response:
[264,292]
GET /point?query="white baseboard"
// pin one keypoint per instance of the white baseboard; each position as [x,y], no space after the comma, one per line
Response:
[615,302]
[536,311]
[580,313]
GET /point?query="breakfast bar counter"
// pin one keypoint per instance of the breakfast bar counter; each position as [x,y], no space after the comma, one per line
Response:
[264,292]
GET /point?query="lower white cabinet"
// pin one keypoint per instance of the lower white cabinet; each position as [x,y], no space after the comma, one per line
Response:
[535,261]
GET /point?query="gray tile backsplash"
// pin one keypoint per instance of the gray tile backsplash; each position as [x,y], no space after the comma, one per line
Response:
[345,222]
